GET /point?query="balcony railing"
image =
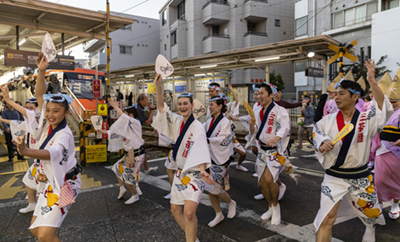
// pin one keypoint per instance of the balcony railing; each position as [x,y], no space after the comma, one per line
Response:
[216,1]
[216,35]
[255,33]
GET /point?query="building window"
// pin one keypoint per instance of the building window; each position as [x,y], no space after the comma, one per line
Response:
[165,47]
[369,52]
[125,49]
[164,17]
[173,38]
[129,27]
[251,27]
[301,26]
[393,4]
[215,30]
[181,10]
[354,15]
[277,22]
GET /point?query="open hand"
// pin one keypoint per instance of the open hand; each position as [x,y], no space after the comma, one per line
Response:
[272,142]
[102,131]
[113,103]
[251,122]
[206,177]
[371,71]
[397,143]
[230,87]
[6,93]
[20,143]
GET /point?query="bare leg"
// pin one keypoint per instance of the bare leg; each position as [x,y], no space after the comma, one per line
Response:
[31,194]
[121,183]
[35,230]
[177,212]
[145,165]
[242,156]
[190,220]
[47,234]
[225,197]
[215,202]
[269,188]
[254,149]
[324,232]
[171,174]
[132,189]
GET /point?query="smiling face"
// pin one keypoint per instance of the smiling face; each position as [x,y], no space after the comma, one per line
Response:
[332,95]
[344,100]
[257,96]
[265,98]
[215,109]
[185,107]
[55,113]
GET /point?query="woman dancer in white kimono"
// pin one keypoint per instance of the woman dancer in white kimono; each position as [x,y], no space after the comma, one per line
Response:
[31,114]
[58,173]
[219,136]
[191,155]
[126,169]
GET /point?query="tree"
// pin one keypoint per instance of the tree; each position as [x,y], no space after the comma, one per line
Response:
[359,69]
[276,80]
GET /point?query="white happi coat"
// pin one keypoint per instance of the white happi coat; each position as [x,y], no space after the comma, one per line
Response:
[164,141]
[126,133]
[193,150]
[220,141]
[62,159]
[359,190]
[368,125]
[277,124]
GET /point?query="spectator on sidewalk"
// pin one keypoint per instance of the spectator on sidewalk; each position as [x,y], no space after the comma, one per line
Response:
[11,114]
[119,95]
[320,108]
[130,99]
[142,102]
[308,112]
[54,86]
[283,103]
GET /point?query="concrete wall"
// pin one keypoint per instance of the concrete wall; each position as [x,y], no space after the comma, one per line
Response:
[385,38]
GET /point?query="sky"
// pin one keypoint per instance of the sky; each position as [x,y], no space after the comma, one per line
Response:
[145,8]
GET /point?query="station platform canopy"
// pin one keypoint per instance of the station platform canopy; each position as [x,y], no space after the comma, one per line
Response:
[68,26]
[251,57]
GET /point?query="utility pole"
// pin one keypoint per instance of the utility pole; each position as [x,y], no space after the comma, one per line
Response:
[108,48]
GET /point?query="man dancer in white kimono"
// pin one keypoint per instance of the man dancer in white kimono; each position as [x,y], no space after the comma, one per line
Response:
[191,155]
[31,114]
[220,138]
[271,129]
[346,162]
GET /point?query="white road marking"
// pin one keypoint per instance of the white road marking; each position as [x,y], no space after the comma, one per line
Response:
[289,230]
[158,159]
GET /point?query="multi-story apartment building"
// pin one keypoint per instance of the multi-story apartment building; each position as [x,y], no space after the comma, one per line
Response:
[197,27]
[133,45]
[344,20]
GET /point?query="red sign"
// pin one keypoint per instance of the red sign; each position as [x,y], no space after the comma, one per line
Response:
[105,127]
[120,105]
[96,89]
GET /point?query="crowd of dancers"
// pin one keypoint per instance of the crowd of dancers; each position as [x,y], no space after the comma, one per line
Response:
[201,153]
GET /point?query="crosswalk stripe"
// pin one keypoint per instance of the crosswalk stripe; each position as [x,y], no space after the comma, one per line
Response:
[288,230]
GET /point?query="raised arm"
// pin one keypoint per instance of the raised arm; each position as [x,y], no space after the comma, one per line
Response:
[7,99]
[376,90]
[40,88]
[159,94]
[7,121]
[235,97]
[114,104]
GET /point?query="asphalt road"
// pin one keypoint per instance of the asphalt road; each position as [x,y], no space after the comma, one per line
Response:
[97,215]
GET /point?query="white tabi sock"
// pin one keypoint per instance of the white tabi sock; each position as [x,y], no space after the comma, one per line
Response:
[369,235]
[282,190]
[259,196]
[394,211]
[122,191]
[276,215]
[168,196]
[218,219]
[139,192]
[29,208]
[267,215]
[133,199]
[231,209]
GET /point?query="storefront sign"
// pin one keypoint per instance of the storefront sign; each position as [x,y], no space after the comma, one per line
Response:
[96,153]
[28,59]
